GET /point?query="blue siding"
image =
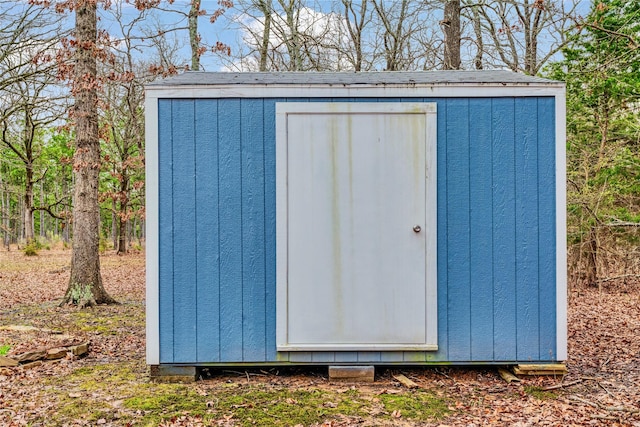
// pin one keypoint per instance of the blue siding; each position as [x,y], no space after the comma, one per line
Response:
[208,257]
[253,231]
[458,230]
[443,250]
[480,234]
[547,230]
[270,225]
[526,213]
[165,216]
[231,244]
[184,226]
[496,233]
[504,229]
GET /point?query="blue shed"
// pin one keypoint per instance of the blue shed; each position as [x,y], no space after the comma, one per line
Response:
[355,218]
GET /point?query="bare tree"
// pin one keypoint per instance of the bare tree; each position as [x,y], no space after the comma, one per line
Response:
[28,37]
[395,36]
[187,18]
[524,34]
[357,17]
[290,35]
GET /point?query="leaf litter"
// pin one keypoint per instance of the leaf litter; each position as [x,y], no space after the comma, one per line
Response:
[110,386]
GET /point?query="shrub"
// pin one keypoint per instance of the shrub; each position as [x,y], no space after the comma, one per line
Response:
[31,249]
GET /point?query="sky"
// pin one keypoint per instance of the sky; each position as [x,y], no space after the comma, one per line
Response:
[226,29]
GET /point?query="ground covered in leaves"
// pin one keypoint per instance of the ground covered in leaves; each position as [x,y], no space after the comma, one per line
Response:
[110,386]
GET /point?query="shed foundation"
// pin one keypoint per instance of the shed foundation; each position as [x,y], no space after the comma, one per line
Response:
[356,374]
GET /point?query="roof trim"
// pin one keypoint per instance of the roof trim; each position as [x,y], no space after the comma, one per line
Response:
[347,85]
[368,79]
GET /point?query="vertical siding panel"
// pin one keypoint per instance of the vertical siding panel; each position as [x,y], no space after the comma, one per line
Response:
[270,225]
[547,232]
[184,237]
[443,231]
[527,228]
[504,229]
[253,256]
[458,273]
[165,216]
[207,271]
[230,196]
[481,220]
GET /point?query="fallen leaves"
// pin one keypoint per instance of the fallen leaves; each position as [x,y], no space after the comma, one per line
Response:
[601,387]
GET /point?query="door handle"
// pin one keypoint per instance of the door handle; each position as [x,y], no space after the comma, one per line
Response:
[417,228]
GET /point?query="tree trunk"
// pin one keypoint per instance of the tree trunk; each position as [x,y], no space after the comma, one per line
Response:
[85,284]
[122,214]
[451,29]
[477,29]
[265,8]
[114,223]
[122,235]
[591,267]
[43,231]
[194,38]
[29,234]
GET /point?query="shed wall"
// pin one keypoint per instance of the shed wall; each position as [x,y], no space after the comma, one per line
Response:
[496,232]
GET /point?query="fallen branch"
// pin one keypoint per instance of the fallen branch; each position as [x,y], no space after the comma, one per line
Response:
[621,409]
[606,408]
[603,417]
[623,276]
[579,399]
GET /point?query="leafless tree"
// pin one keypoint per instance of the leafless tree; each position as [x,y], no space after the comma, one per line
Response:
[520,34]
[186,18]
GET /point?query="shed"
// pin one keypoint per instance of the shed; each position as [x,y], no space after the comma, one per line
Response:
[375,218]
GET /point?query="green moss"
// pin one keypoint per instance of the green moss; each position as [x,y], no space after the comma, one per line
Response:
[265,406]
[106,321]
[122,392]
[539,393]
[166,399]
[420,405]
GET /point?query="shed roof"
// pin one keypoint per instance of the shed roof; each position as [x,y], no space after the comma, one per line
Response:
[385,78]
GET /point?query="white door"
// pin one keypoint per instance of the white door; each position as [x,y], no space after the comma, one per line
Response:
[359,226]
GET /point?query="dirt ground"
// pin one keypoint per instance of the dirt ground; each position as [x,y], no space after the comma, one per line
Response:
[110,385]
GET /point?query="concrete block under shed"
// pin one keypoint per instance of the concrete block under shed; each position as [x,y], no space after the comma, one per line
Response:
[364,374]
[173,374]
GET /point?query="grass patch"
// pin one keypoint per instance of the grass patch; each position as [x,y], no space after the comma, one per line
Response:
[4,349]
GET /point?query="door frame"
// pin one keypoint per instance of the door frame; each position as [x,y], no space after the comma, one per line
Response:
[429,111]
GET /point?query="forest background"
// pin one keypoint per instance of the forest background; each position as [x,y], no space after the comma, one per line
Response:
[591,45]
